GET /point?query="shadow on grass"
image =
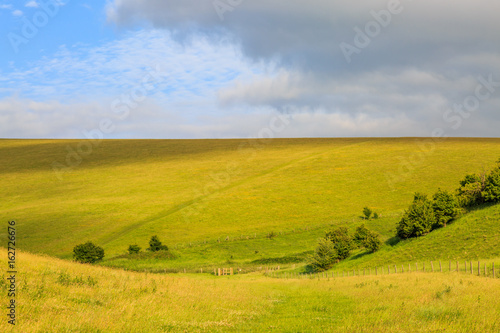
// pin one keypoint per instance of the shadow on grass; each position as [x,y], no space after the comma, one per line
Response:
[393,241]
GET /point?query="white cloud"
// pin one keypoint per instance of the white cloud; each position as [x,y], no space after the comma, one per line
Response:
[5,6]
[31,4]
[17,12]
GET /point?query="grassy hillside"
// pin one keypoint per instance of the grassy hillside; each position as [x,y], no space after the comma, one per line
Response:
[196,191]
[474,236]
[60,296]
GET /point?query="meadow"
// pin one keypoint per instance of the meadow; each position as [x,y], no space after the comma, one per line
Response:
[61,296]
[192,191]
[215,204]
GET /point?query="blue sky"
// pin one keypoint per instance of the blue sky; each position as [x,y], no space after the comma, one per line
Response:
[219,69]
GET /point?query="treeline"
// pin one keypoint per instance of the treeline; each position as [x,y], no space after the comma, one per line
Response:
[425,215]
[422,216]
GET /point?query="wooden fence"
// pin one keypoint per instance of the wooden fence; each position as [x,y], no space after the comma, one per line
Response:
[473,268]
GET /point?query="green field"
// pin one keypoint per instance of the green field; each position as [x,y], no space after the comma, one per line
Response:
[214,202]
[126,191]
[60,296]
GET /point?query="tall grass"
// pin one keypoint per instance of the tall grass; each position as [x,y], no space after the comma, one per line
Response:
[60,296]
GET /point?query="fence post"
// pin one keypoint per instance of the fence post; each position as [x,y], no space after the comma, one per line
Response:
[416,267]
[478,268]
[457,266]
[485,272]
[388,269]
[440,267]
[376,271]
[402,268]
[409,268]
[432,267]
[423,268]
[471,270]
[450,267]
[466,266]
[395,269]
[493,269]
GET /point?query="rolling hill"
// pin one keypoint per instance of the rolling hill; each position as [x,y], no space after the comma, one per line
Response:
[201,191]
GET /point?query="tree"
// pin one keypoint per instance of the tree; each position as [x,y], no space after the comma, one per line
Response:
[367,212]
[342,241]
[418,219]
[156,245]
[372,242]
[325,255]
[134,249]
[88,253]
[471,190]
[492,186]
[445,207]
[360,235]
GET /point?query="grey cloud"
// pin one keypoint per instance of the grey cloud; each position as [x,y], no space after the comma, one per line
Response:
[307,34]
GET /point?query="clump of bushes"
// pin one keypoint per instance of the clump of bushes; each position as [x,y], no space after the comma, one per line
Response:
[325,255]
[425,215]
[338,244]
[341,241]
[88,253]
[370,240]
[418,219]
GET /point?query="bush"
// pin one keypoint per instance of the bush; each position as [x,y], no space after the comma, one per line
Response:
[367,239]
[372,242]
[375,216]
[418,220]
[471,190]
[88,253]
[156,245]
[360,235]
[445,207]
[367,212]
[342,242]
[325,256]
[132,249]
[492,186]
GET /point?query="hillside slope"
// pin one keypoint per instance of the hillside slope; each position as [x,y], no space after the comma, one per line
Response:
[124,191]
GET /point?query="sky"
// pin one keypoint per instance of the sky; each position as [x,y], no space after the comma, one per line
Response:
[238,68]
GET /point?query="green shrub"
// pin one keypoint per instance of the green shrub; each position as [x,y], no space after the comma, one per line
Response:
[132,249]
[418,220]
[367,212]
[88,253]
[360,235]
[156,245]
[372,242]
[375,215]
[471,190]
[492,186]
[325,255]
[445,207]
[342,241]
